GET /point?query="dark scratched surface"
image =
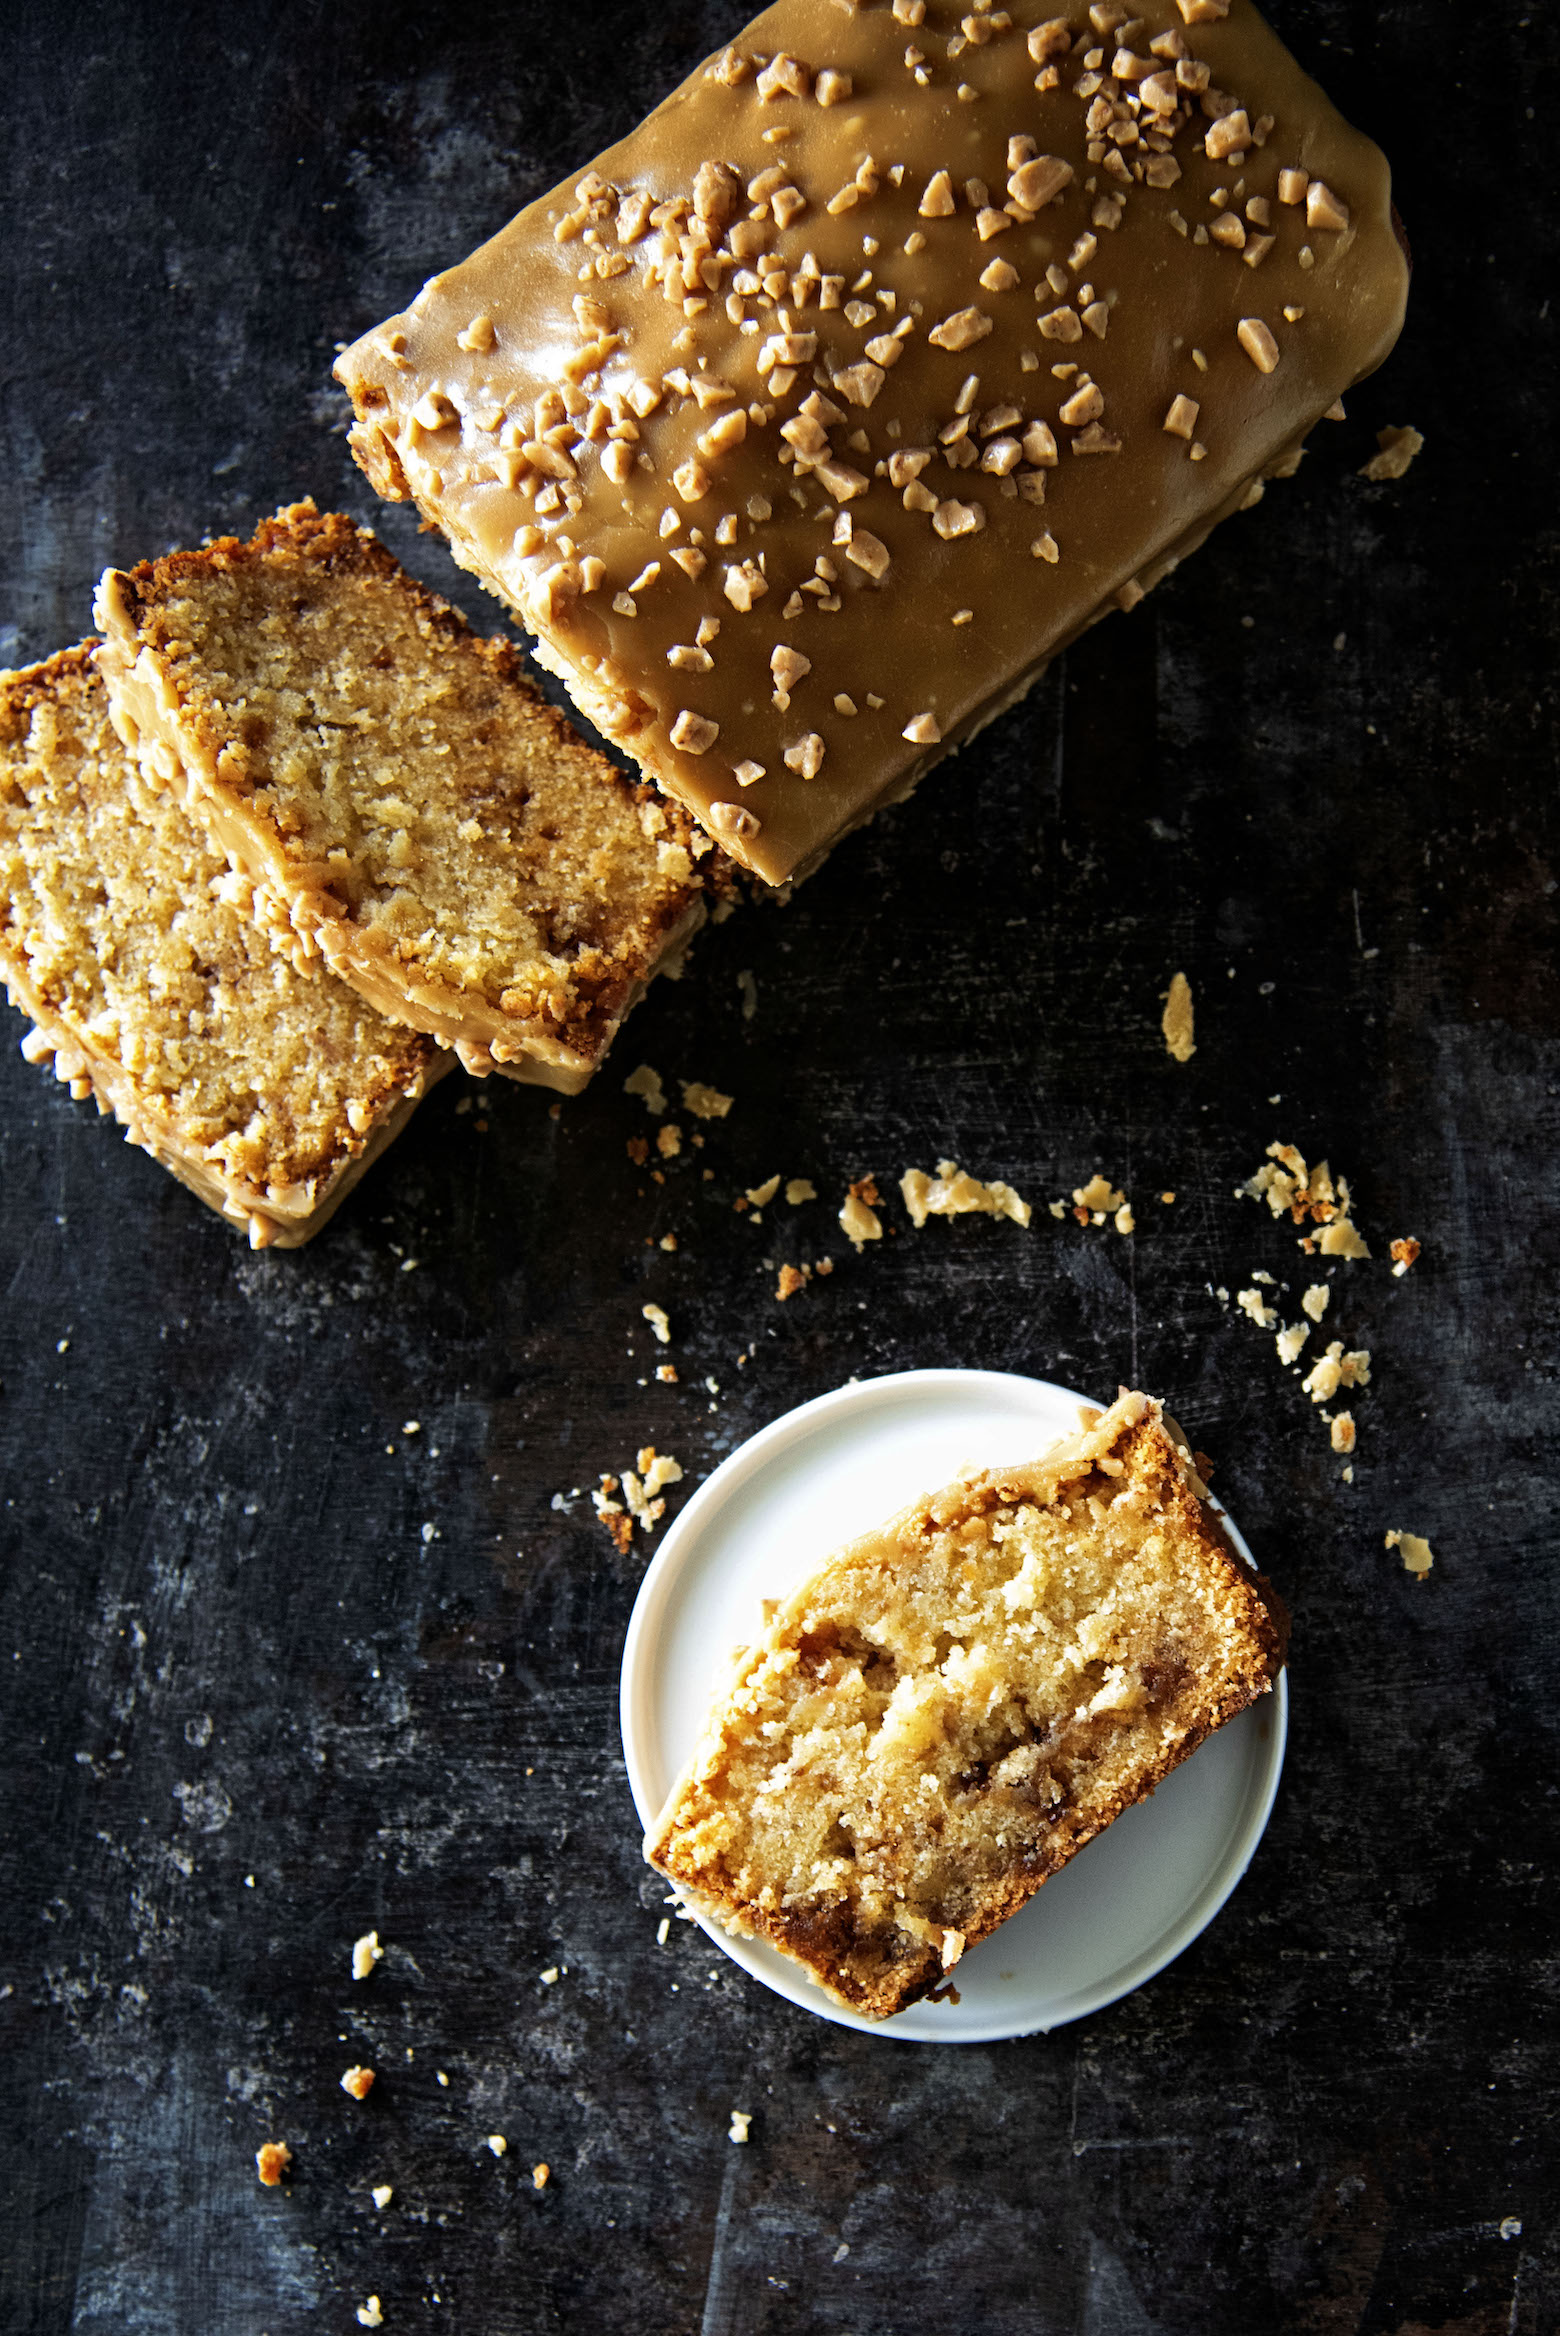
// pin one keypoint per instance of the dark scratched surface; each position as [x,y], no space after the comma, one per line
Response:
[274,1670]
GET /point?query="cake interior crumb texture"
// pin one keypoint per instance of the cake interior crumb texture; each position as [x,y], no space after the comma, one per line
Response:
[411,804]
[950,1708]
[124,935]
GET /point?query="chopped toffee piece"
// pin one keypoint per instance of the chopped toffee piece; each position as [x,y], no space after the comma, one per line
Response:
[684,337]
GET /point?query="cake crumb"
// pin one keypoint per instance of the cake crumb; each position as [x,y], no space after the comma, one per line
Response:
[667,1372]
[497,2144]
[741,2119]
[952,1192]
[1309,1195]
[366,1952]
[646,1084]
[1314,1300]
[1403,1254]
[1291,1339]
[1098,1199]
[1177,1020]
[668,1140]
[1341,1427]
[382,2194]
[1250,1302]
[1341,1239]
[705,1102]
[858,1216]
[359,2082]
[792,1278]
[1124,1221]
[541,2175]
[798,1189]
[613,1515]
[1418,1557]
[272,2160]
[370,2315]
[1336,1369]
[1397,446]
[659,1322]
[759,1196]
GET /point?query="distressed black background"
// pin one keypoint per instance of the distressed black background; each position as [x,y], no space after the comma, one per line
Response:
[1316,770]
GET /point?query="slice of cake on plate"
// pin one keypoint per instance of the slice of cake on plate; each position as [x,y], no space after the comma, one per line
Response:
[265,1088]
[406,802]
[951,1707]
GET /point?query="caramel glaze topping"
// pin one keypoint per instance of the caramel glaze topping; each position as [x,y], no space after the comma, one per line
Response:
[900,343]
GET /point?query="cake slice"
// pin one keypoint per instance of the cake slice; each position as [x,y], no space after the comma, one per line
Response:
[949,1708]
[265,1088]
[406,802]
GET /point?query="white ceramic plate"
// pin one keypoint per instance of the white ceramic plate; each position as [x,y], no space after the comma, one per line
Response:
[1125,1906]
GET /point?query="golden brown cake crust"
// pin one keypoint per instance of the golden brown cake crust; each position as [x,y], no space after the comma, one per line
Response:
[913,1858]
[409,804]
[126,939]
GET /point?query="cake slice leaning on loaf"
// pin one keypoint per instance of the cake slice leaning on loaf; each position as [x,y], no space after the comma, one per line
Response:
[951,1707]
[408,804]
[127,939]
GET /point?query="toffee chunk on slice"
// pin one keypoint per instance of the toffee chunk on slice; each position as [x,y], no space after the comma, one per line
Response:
[951,1707]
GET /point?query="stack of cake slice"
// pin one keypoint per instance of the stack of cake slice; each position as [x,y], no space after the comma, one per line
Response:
[291,835]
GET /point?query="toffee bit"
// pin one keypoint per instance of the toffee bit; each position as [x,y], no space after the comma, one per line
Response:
[1324,209]
[693,733]
[806,756]
[733,821]
[961,330]
[1257,340]
[1181,419]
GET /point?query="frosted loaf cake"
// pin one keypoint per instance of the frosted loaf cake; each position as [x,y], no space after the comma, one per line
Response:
[950,1708]
[408,804]
[127,940]
[897,345]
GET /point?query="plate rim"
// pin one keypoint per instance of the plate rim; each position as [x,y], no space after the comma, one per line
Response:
[635,1690]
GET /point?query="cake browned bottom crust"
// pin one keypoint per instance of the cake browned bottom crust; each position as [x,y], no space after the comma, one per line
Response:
[951,1707]
[265,1088]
